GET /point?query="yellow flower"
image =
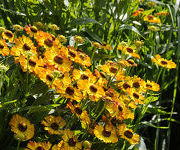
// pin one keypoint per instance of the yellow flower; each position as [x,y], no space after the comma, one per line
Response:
[163,62]
[152,19]
[23,45]
[62,38]
[31,30]
[71,141]
[4,50]
[17,27]
[78,39]
[127,134]
[53,124]
[22,127]
[28,63]
[53,27]
[138,12]
[58,59]
[8,35]
[151,85]
[106,133]
[38,146]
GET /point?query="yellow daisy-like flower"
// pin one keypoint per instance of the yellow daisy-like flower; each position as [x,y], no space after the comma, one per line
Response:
[38,146]
[138,12]
[8,35]
[151,85]
[119,110]
[53,124]
[22,127]
[111,69]
[136,96]
[71,141]
[82,114]
[59,60]
[4,50]
[31,30]
[23,45]
[163,62]
[28,63]
[106,133]
[128,63]
[46,40]
[127,134]
[152,19]
[162,13]
[130,51]
[106,46]
[94,91]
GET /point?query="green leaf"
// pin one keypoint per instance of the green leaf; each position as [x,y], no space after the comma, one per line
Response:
[83,21]
[132,28]
[94,36]
[152,125]
[13,12]
[151,99]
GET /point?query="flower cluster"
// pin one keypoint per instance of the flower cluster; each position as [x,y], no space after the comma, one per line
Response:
[45,56]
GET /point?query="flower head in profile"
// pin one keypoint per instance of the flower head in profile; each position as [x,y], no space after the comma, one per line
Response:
[22,127]
[38,146]
[8,35]
[152,19]
[163,62]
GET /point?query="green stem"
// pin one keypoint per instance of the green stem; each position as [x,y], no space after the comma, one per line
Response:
[18,146]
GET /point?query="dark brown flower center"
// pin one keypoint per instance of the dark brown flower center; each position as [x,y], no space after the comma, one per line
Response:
[128,134]
[22,127]
[72,142]
[130,62]
[150,17]
[78,110]
[136,84]
[33,29]
[40,148]
[53,37]
[106,133]
[32,63]
[148,85]
[49,77]
[136,95]
[102,75]
[58,59]
[54,126]
[1,46]
[130,50]
[48,42]
[26,47]
[113,69]
[114,121]
[93,88]
[125,86]
[163,62]
[109,93]
[70,90]
[84,77]
[9,34]
[83,57]
[120,108]
[72,54]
